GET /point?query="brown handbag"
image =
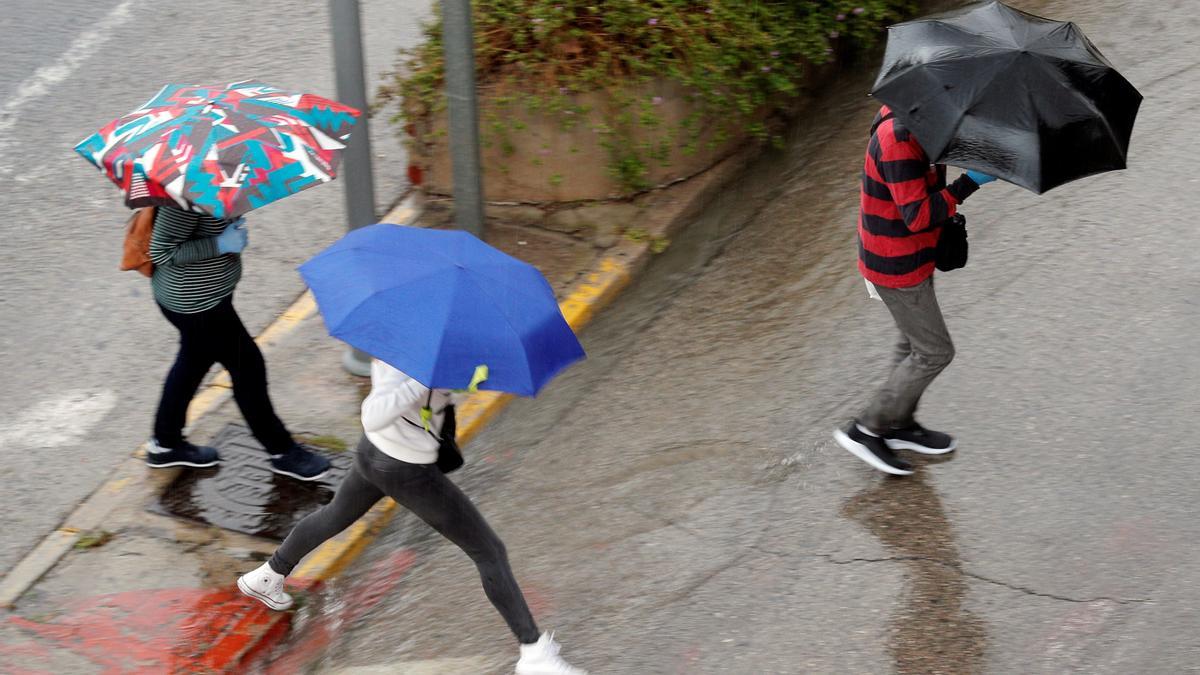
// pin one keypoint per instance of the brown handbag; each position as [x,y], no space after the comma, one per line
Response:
[138,231]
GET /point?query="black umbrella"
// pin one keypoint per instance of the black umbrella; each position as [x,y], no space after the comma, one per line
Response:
[995,89]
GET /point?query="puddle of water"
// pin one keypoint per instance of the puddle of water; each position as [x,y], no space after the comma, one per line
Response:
[243,495]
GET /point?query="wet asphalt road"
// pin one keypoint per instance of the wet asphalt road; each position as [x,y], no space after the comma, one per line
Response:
[676,505]
[83,348]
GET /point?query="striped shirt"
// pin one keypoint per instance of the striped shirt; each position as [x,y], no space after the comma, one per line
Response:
[190,274]
[903,203]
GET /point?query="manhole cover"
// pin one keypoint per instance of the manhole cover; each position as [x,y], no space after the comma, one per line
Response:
[243,495]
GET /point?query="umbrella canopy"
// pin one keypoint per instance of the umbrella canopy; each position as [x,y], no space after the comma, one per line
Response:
[995,89]
[224,149]
[437,304]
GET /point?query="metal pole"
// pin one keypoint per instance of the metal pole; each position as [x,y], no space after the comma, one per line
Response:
[459,46]
[346,30]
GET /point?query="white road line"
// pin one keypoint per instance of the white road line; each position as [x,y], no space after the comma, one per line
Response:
[42,81]
[57,422]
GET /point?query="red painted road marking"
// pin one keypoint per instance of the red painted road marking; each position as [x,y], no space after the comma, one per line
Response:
[379,581]
[183,630]
[162,629]
[26,649]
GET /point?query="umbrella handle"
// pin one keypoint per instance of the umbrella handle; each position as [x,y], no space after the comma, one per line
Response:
[480,376]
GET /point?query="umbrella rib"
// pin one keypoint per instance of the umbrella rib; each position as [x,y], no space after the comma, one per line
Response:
[1054,76]
[375,289]
[442,254]
[1096,60]
[983,37]
[352,253]
[459,279]
[974,102]
[435,250]
[982,90]
[146,105]
[485,289]
[892,77]
[152,135]
[511,288]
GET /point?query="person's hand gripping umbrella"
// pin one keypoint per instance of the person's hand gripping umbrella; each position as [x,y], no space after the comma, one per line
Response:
[1008,94]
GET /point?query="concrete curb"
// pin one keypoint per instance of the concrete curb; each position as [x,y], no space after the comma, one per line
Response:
[259,629]
[601,286]
[611,274]
[92,511]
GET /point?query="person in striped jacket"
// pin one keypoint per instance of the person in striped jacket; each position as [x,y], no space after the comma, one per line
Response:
[902,204]
[197,265]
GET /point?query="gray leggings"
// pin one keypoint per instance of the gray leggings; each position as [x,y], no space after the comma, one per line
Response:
[424,490]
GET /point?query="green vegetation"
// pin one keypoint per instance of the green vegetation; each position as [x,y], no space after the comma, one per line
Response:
[93,539]
[735,59]
[331,443]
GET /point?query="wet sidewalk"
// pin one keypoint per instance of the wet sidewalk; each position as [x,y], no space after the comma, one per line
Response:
[141,576]
[149,585]
[675,504]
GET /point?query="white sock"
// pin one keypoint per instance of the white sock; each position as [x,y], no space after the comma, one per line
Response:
[866,430]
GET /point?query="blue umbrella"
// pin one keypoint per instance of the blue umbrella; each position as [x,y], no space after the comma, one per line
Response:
[438,304]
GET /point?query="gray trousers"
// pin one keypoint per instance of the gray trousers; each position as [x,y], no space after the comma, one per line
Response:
[424,490]
[922,352]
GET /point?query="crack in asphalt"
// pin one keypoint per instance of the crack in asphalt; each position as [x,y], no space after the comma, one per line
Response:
[974,575]
[728,565]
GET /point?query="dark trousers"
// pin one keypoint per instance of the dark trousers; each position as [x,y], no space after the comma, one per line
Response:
[424,490]
[218,336]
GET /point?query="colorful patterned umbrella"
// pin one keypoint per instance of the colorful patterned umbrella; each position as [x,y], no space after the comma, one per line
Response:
[224,149]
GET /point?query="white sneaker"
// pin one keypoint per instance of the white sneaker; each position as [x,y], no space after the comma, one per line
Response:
[541,658]
[265,585]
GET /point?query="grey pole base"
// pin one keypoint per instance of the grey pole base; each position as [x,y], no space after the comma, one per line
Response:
[459,52]
[345,25]
[356,363]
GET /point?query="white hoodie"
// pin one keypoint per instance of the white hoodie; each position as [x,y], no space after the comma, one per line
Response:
[391,415]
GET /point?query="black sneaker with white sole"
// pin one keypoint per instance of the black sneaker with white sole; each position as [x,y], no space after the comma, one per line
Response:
[186,454]
[300,463]
[919,439]
[872,450]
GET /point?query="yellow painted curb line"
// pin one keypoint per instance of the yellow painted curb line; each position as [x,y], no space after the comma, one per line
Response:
[597,289]
[36,563]
[93,510]
[581,304]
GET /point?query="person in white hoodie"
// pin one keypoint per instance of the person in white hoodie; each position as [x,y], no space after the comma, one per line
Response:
[403,419]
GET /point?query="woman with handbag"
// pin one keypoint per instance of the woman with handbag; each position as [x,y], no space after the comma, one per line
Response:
[407,446]
[196,263]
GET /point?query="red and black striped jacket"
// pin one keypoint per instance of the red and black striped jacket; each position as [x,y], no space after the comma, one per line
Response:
[903,203]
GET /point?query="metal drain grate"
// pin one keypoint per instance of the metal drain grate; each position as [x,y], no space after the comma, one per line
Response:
[243,495]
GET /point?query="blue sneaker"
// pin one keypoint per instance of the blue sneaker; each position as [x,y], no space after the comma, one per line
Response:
[186,454]
[300,463]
